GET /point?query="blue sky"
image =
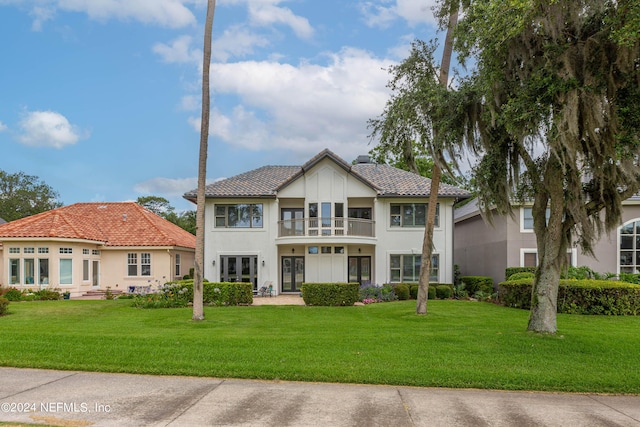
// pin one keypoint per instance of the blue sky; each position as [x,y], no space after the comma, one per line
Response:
[100,98]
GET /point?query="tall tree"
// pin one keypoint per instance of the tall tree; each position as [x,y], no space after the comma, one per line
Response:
[198,308]
[552,108]
[404,120]
[23,195]
[156,204]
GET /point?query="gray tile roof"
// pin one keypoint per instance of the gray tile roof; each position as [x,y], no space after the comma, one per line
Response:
[265,182]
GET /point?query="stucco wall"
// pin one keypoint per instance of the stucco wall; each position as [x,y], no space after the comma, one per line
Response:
[481,249]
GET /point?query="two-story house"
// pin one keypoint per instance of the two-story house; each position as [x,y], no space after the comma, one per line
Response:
[324,221]
[487,250]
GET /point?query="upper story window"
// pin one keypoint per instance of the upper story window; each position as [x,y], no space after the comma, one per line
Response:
[29,250]
[14,250]
[526,223]
[85,252]
[239,216]
[412,215]
[43,250]
[66,250]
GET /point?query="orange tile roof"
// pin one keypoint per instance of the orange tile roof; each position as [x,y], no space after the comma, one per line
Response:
[113,224]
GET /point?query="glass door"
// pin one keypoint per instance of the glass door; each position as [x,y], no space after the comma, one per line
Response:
[360,269]
[292,273]
[239,269]
[292,221]
[95,274]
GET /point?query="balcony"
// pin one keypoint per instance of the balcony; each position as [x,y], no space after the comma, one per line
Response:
[321,227]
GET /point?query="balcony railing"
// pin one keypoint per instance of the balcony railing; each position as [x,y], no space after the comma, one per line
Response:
[312,227]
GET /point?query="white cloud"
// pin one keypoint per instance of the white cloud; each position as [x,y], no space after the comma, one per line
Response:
[236,41]
[165,13]
[302,108]
[48,129]
[3,127]
[168,186]
[380,14]
[266,13]
[179,51]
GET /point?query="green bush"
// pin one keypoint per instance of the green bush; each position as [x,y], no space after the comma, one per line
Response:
[413,291]
[578,296]
[443,292]
[47,295]
[330,294]
[630,278]
[4,305]
[12,294]
[584,272]
[432,293]
[473,284]
[371,293]
[180,294]
[522,275]
[513,270]
[402,291]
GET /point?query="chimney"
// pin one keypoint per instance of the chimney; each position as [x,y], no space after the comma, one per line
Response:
[363,159]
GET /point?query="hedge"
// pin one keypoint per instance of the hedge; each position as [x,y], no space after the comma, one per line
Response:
[218,293]
[4,305]
[578,296]
[510,271]
[330,294]
[473,284]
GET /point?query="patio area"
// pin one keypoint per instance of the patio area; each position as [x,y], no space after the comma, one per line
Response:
[278,300]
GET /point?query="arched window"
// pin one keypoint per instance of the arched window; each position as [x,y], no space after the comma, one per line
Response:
[629,238]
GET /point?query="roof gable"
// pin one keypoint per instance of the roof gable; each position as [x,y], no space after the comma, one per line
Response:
[267,181]
[112,224]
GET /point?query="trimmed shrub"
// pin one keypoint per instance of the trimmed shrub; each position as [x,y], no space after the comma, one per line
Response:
[330,294]
[13,294]
[432,293]
[402,291]
[522,275]
[473,284]
[47,295]
[578,296]
[413,291]
[443,292]
[180,294]
[4,305]
[513,270]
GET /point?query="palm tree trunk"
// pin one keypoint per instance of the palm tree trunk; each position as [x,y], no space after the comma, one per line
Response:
[427,243]
[198,309]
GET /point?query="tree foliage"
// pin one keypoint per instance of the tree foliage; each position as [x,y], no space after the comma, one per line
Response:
[162,207]
[23,195]
[553,110]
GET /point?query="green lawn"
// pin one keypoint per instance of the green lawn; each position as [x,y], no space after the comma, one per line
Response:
[458,344]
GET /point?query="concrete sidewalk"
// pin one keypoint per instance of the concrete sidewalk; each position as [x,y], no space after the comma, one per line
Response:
[68,398]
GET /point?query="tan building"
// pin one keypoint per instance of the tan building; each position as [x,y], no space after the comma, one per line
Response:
[90,246]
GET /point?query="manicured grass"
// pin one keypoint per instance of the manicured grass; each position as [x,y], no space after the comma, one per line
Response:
[458,344]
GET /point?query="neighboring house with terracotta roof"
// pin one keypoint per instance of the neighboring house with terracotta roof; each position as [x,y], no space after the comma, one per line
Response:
[324,221]
[482,249]
[90,246]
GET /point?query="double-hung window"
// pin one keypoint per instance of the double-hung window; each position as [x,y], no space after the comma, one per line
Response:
[141,263]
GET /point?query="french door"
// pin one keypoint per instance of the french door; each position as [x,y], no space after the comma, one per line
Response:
[235,268]
[360,269]
[292,273]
